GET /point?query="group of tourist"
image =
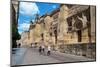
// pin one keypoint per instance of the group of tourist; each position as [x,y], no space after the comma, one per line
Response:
[42,50]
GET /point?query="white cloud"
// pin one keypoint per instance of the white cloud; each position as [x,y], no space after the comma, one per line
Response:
[23,27]
[28,8]
[20,32]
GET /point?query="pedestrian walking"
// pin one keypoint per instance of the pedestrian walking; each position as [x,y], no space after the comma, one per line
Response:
[49,50]
[19,45]
[43,48]
[40,49]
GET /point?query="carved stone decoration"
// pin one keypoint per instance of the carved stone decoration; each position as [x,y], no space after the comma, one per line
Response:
[78,24]
[83,19]
[73,21]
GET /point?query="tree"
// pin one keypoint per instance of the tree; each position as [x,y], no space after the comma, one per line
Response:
[15,36]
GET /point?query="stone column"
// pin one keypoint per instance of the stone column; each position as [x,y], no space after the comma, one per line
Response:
[93,22]
[62,19]
[63,26]
[91,31]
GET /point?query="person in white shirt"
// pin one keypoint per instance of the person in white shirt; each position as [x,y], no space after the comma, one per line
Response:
[43,48]
[49,50]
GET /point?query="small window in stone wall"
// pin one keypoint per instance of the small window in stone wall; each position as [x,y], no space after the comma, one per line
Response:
[69,22]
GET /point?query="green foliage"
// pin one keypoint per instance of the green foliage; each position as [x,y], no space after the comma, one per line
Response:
[15,35]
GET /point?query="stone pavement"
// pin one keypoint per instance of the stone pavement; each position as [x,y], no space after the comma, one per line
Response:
[26,56]
[17,57]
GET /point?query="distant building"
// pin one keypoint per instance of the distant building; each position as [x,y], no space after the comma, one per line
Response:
[25,39]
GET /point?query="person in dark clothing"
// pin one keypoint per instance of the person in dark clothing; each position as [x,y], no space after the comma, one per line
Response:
[40,49]
[19,45]
[48,53]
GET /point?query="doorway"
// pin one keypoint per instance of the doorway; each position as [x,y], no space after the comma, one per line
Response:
[79,33]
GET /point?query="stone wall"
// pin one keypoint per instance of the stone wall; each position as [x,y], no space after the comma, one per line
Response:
[66,21]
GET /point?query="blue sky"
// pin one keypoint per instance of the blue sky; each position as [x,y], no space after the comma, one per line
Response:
[27,10]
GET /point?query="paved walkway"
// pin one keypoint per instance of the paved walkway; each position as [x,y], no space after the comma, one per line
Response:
[17,56]
[26,56]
